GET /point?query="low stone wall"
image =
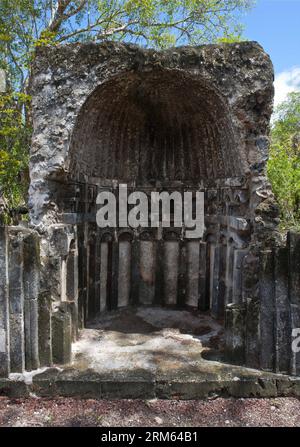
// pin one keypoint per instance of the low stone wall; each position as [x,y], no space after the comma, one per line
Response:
[261,328]
[31,334]
[37,327]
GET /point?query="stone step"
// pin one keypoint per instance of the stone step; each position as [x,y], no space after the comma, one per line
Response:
[88,384]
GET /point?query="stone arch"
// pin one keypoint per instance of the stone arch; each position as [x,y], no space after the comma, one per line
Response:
[162,125]
[194,118]
[161,128]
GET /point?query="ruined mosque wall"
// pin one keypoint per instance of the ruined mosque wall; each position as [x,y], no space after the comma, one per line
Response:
[194,118]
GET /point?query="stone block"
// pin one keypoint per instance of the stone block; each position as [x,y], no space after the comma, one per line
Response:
[293,244]
[267,310]
[31,335]
[31,278]
[283,330]
[171,268]
[16,302]
[124,273]
[203,292]
[235,331]
[147,272]
[218,282]
[61,335]
[237,283]
[192,293]
[295,324]
[44,329]
[60,240]
[4,305]
[252,334]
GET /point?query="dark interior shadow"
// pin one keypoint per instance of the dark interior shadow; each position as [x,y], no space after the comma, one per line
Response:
[127,321]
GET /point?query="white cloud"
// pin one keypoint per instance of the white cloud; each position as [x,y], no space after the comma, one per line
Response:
[286,82]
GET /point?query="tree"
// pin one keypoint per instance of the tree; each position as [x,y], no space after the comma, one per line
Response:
[14,147]
[26,24]
[284,162]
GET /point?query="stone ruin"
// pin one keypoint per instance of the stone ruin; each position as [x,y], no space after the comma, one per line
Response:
[189,118]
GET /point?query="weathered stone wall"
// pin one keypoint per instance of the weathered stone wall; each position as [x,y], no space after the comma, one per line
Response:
[4,306]
[186,118]
[20,270]
[33,333]
[87,95]
[259,328]
[191,118]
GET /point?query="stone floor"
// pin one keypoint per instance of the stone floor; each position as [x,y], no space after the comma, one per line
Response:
[152,339]
[150,353]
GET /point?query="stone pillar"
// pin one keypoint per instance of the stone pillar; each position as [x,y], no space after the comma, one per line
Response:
[171,257]
[61,334]
[295,323]
[53,280]
[4,306]
[251,299]
[229,273]
[235,329]
[159,273]
[192,295]
[124,273]
[253,341]
[147,272]
[45,329]
[82,275]
[113,274]
[63,278]
[237,285]
[72,287]
[211,262]
[218,281]
[31,294]
[16,301]
[267,311]
[293,244]
[97,271]
[86,272]
[103,275]
[91,279]
[283,314]
[135,272]
[182,274]
[203,301]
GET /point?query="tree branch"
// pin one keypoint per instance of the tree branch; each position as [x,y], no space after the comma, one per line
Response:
[61,15]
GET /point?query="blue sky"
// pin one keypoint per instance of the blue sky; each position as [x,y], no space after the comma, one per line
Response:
[275,24]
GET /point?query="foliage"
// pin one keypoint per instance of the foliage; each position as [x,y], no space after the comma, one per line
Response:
[284,162]
[26,24]
[14,147]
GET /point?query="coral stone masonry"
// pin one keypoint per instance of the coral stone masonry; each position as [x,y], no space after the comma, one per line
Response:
[184,119]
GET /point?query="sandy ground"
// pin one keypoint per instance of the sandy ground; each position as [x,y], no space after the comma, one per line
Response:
[35,412]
